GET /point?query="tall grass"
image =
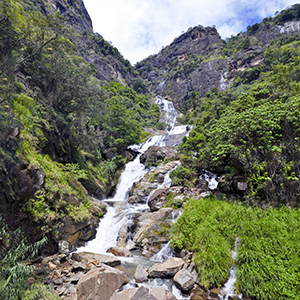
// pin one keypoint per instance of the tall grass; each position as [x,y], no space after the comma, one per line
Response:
[268,260]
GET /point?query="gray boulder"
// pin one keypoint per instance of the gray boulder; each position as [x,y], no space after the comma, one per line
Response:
[167,269]
[162,294]
[184,280]
[100,283]
[140,274]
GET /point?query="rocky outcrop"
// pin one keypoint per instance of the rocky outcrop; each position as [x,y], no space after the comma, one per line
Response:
[197,60]
[157,199]
[170,73]
[149,225]
[142,189]
[92,46]
[155,155]
[167,269]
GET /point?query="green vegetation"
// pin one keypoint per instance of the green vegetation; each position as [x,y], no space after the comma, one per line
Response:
[268,254]
[59,120]
[253,130]
[15,270]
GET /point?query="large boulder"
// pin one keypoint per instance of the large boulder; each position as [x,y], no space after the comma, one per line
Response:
[120,251]
[100,283]
[157,199]
[87,257]
[140,274]
[167,269]
[162,294]
[184,280]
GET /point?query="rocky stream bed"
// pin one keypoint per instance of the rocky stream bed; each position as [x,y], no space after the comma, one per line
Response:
[130,257]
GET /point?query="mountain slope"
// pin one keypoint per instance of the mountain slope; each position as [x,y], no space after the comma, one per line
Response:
[198,60]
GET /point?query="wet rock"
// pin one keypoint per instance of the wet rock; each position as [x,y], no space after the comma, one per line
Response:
[199,294]
[156,154]
[100,283]
[142,189]
[136,200]
[80,267]
[184,280]
[98,258]
[162,294]
[124,295]
[146,235]
[122,238]
[120,251]
[140,274]
[157,199]
[167,269]
[142,293]
[63,247]
[214,293]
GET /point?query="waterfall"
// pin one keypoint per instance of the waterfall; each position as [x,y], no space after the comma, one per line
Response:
[165,253]
[228,290]
[120,213]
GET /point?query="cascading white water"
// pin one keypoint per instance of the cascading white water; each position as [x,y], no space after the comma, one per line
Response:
[119,212]
[170,113]
[228,290]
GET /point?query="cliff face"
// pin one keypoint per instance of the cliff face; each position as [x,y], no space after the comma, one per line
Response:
[199,60]
[106,58]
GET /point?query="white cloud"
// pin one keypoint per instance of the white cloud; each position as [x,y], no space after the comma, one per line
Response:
[139,28]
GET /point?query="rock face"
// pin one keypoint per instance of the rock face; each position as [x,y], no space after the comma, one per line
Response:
[179,68]
[184,280]
[167,269]
[106,58]
[100,283]
[196,60]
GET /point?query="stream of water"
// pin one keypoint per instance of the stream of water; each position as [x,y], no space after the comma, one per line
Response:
[120,214]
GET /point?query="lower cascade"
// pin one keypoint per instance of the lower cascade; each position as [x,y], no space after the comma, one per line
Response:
[228,290]
[148,273]
[114,234]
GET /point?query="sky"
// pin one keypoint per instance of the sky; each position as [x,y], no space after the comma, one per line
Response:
[139,28]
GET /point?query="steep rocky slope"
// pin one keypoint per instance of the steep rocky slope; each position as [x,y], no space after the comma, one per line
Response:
[107,59]
[199,60]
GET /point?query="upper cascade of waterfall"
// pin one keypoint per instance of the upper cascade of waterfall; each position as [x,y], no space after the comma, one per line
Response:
[169,111]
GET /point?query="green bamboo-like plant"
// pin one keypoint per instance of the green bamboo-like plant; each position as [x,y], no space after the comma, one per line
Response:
[15,253]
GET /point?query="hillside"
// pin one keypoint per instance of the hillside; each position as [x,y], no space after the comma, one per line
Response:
[65,129]
[70,105]
[199,60]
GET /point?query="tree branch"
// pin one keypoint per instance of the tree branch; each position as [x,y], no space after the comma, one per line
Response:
[37,51]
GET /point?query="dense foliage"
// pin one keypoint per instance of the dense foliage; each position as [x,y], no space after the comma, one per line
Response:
[267,246]
[59,118]
[253,129]
[15,270]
